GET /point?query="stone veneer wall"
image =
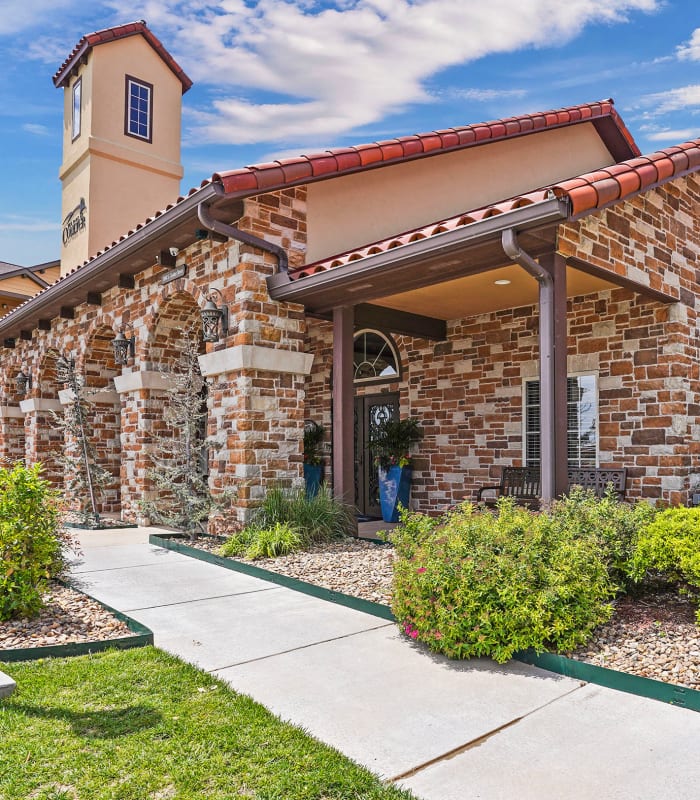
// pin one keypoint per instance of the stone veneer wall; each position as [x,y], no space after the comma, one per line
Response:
[468,390]
[255,410]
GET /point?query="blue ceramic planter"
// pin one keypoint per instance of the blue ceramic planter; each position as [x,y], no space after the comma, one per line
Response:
[312,478]
[394,490]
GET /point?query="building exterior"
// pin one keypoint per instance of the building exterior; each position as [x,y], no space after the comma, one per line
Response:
[525,287]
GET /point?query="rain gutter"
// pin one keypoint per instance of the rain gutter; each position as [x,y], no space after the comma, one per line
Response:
[238,235]
[511,247]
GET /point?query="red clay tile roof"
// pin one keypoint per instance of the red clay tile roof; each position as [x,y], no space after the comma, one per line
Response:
[110,35]
[596,190]
[330,163]
[586,193]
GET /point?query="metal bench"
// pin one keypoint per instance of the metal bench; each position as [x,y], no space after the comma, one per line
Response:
[520,483]
[523,484]
[598,480]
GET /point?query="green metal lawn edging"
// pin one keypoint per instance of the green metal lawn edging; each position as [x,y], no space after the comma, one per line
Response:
[141,636]
[551,662]
[174,542]
[612,679]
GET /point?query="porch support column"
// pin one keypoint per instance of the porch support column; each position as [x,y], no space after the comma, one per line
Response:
[550,274]
[343,412]
[556,418]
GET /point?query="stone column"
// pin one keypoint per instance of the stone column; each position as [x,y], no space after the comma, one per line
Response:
[12,445]
[43,441]
[256,413]
[141,396]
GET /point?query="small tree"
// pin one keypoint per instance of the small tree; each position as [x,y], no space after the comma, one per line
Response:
[179,456]
[85,478]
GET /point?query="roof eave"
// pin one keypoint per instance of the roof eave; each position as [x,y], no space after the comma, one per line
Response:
[27,315]
[388,272]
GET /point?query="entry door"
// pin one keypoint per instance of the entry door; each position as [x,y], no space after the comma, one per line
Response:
[370,410]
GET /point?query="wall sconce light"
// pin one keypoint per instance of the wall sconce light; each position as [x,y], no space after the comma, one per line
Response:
[65,369]
[214,318]
[124,348]
[23,382]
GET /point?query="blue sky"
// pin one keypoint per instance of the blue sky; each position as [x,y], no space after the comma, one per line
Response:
[283,77]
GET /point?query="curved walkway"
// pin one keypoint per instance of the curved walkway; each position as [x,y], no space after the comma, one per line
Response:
[447,730]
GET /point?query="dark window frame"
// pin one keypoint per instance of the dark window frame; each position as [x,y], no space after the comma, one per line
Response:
[391,344]
[129,80]
[78,85]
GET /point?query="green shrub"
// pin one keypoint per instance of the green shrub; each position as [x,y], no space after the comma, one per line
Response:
[320,518]
[31,540]
[482,584]
[670,547]
[279,540]
[238,542]
[616,525]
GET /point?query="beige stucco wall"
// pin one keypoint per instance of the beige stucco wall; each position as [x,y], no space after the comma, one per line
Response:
[366,207]
[123,179]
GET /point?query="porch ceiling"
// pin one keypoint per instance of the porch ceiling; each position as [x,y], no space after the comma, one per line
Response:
[480,294]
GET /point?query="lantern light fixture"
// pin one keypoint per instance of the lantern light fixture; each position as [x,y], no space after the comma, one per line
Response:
[215,319]
[124,348]
[23,382]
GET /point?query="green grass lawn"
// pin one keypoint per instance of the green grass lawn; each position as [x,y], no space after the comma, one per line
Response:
[142,725]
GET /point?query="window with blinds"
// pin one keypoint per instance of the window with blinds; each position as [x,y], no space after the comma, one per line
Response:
[582,422]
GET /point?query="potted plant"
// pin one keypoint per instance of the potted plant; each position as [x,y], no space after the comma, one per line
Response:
[313,453]
[391,442]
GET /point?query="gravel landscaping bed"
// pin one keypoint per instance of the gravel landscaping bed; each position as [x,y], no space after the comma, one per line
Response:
[654,636]
[351,566]
[68,617]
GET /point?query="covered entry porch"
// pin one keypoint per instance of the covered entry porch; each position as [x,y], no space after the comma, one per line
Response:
[496,332]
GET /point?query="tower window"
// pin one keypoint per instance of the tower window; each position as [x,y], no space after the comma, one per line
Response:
[139,109]
[77,107]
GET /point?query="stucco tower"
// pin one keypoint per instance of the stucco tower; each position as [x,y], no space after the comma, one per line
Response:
[121,136]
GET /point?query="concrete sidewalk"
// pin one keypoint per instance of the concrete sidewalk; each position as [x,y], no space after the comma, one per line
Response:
[447,730]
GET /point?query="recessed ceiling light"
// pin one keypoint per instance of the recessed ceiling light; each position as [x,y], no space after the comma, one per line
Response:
[502,282]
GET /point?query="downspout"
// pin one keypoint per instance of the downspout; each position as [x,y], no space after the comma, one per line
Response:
[232,232]
[511,247]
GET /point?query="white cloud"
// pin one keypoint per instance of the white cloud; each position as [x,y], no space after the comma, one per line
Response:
[680,99]
[691,50]
[326,70]
[27,226]
[480,95]
[30,13]
[50,49]
[672,135]
[36,129]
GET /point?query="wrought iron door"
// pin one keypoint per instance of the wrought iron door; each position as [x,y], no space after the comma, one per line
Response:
[370,410]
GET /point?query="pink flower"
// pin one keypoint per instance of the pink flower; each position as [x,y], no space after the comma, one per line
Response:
[420,570]
[409,630]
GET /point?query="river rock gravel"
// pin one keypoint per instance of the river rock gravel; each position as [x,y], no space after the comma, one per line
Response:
[654,636]
[67,617]
[352,566]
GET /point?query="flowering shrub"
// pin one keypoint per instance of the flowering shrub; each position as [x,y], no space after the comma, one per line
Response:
[482,584]
[615,524]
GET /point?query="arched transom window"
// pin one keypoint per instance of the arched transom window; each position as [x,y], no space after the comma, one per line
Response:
[375,358]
